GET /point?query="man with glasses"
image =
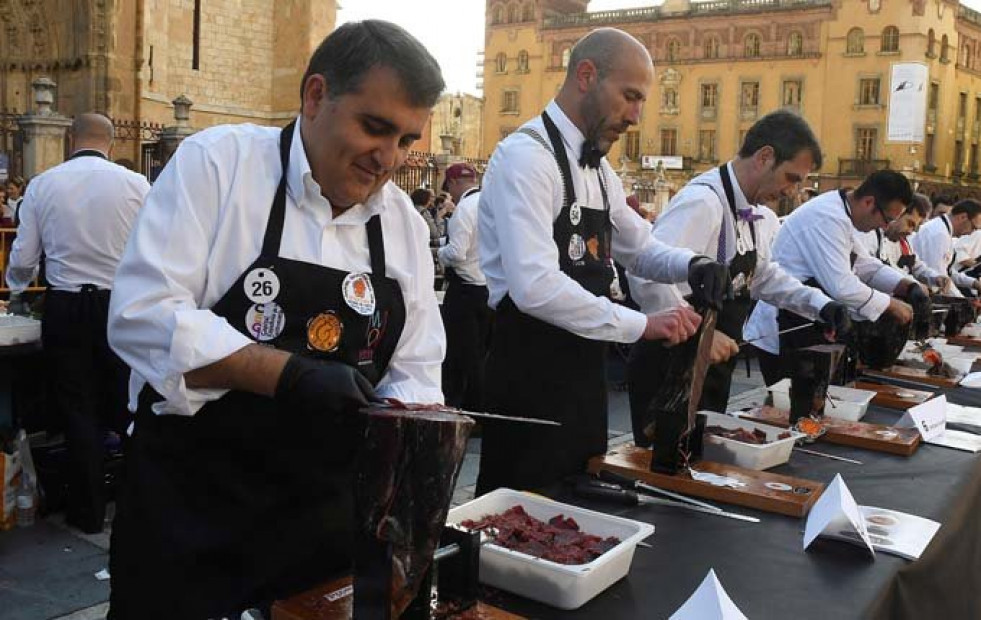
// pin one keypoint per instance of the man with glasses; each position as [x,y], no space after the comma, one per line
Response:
[935,244]
[892,245]
[818,244]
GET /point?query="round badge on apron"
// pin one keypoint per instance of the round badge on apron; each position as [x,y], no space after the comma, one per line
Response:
[575,214]
[265,321]
[358,293]
[577,247]
[324,332]
[261,285]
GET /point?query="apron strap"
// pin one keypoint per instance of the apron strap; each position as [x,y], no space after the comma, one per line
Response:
[277,215]
[731,199]
[376,246]
[561,158]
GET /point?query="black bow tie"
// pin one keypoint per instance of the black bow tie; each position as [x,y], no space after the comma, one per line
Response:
[590,155]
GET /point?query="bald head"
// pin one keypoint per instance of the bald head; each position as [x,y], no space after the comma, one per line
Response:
[92,131]
[606,48]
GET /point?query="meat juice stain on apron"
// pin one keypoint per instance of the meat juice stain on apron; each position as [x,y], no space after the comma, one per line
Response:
[537,369]
[244,503]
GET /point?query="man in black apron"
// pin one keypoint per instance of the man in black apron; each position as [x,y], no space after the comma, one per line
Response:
[934,244]
[299,257]
[818,244]
[716,214]
[553,216]
[892,246]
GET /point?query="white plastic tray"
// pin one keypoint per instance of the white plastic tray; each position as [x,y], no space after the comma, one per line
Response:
[742,454]
[559,585]
[15,329]
[844,403]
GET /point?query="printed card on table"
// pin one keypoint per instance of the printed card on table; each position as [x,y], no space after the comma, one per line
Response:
[837,512]
[709,602]
[930,418]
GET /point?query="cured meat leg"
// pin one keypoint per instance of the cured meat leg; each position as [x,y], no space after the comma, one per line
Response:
[405,475]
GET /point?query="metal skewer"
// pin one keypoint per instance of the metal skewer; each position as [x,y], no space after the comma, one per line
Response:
[828,456]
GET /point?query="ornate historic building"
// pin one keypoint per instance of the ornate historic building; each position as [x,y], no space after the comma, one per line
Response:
[455,125]
[236,60]
[721,64]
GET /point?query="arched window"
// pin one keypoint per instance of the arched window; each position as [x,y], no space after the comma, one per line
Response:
[565,57]
[502,63]
[513,14]
[673,50]
[795,44]
[498,15]
[855,43]
[943,49]
[522,61]
[751,48]
[528,12]
[710,47]
[890,39]
[931,44]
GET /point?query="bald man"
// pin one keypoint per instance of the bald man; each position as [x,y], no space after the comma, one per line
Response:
[553,217]
[79,215]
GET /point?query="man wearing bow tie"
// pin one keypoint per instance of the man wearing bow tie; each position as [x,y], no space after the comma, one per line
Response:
[716,214]
[552,218]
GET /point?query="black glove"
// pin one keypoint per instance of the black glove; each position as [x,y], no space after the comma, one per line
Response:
[906,261]
[17,305]
[920,302]
[709,282]
[835,316]
[317,388]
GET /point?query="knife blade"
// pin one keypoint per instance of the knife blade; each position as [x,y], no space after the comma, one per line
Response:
[632,498]
[639,485]
[702,362]
[396,404]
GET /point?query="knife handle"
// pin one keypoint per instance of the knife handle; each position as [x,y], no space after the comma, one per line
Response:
[626,498]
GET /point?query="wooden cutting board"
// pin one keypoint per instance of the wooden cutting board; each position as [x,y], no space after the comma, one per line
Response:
[333,601]
[918,375]
[894,397]
[965,341]
[795,501]
[876,437]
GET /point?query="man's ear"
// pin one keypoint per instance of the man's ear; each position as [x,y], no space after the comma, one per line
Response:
[314,92]
[586,74]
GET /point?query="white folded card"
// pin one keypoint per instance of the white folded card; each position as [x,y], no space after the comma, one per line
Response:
[709,602]
[930,418]
[836,511]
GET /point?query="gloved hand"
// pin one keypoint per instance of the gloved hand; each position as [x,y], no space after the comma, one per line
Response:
[17,305]
[835,316]
[906,261]
[317,388]
[709,282]
[920,302]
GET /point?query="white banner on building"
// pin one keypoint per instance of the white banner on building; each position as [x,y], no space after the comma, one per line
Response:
[908,102]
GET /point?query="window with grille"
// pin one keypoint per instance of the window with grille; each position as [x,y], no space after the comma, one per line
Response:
[513,13]
[865,143]
[944,45]
[791,92]
[498,15]
[528,12]
[509,102]
[855,43]
[958,157]
[669,99]
[674,50]
[706,145]
[710,48]
[868,91]
[631,145]
[669,142]
[890,39]
[974,159]
[523,61]
[752,46]
[962,106]
[710,96]
[795,44]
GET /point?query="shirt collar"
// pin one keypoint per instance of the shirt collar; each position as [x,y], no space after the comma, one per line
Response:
[571,135]
[305,191]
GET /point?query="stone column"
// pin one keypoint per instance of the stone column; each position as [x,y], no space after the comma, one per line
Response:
[44,130]
[171,137]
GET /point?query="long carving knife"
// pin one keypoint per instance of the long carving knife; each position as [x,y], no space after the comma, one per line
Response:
[391,402]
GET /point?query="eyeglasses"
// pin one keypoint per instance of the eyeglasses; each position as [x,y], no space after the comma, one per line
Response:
[888,220]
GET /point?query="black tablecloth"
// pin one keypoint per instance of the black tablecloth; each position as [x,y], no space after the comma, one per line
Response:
[768,575]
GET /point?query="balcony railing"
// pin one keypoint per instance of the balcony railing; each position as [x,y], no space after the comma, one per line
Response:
[860,167]
[650,14]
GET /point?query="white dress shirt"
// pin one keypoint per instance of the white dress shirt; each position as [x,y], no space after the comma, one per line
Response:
[816,241]
[934,244]
[10,207]
[693,220]
[461,253]
[79,215]
[889,252]
[202,227]
[521,198]
[967,246]
[767,228]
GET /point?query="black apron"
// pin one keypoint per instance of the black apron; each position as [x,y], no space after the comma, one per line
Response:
[649,359]
[539,370]
[243,503]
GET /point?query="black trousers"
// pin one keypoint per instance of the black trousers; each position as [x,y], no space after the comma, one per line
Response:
[88,385]
[466,319]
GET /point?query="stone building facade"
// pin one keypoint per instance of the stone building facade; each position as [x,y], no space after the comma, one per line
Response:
[457,121]
[721,64]
[236,60]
